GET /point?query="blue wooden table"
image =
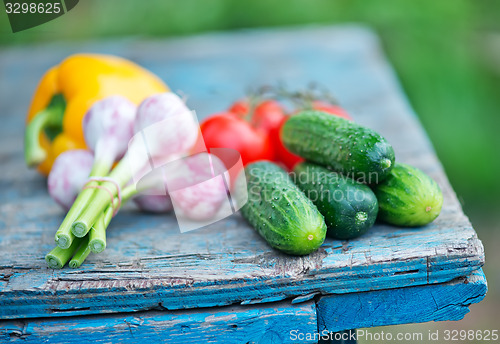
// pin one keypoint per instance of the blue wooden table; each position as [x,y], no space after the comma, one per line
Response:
[223,283]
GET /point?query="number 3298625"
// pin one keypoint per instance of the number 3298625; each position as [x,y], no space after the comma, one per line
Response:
[42,7]
[471,335]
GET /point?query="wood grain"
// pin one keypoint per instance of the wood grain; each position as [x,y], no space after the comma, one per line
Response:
[273,323]
[276,322]
[438,302]
[150,265]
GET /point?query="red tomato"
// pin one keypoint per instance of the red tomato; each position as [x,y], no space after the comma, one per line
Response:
[224,130]
[267,115]
[240,107]
[265,118]
[330,108]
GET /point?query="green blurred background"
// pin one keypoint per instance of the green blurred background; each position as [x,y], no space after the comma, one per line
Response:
[445,52]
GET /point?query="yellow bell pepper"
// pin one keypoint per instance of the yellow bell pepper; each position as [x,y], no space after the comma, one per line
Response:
[67,91]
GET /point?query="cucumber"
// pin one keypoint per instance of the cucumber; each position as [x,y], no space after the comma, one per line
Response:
[408,197]
[350,208]
[339,144]
[280,212]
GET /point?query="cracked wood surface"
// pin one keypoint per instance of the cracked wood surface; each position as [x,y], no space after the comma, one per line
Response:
[149,264]
[267,324]
[437,302]
[276,322]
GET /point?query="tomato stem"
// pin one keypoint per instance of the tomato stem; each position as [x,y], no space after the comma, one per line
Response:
[253,101]
[255,98]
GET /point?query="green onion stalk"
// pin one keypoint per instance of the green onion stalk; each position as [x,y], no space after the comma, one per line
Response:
[95,241]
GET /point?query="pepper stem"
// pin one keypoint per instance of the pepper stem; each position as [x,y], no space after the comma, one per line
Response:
[49,118]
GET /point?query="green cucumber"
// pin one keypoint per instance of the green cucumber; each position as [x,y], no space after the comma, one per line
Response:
[339,144]
[408,197]
[350,208]
[280,212]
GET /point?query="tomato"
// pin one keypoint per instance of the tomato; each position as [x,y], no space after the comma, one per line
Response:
[330,108]
[240,107]
[224,130]
[255,133]
[267,115]
[266,118]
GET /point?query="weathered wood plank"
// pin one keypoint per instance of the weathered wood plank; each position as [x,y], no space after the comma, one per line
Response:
[185,277]
[150,264]
[278,322]
[268,324]
[439,302]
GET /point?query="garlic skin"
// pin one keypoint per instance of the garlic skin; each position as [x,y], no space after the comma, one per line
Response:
[196,186]
[108,127]
[168,125]
[68,175]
